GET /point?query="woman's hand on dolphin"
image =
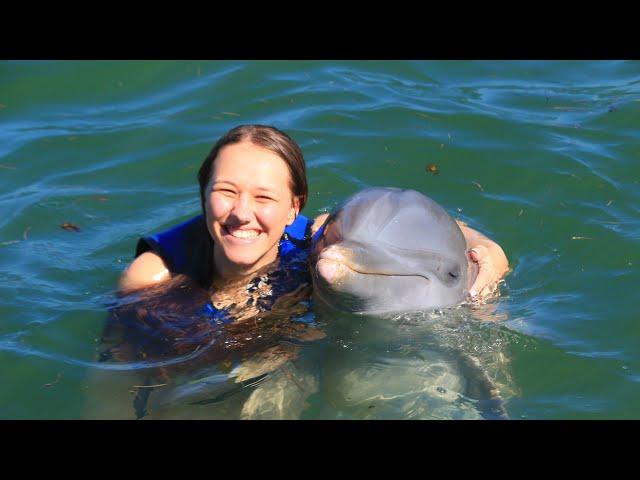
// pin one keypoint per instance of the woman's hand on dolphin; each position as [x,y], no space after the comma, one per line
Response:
[489,257]
[492,266]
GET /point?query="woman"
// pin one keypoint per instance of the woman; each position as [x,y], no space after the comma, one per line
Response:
[252,188]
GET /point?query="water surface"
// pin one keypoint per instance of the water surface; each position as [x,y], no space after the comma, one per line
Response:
[540,156]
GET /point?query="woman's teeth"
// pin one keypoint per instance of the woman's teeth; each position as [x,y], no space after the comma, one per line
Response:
[243,233]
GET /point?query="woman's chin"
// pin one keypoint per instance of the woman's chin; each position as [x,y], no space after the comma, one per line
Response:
[246,263]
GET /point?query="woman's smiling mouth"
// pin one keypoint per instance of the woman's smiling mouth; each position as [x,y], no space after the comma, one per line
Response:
[244,235]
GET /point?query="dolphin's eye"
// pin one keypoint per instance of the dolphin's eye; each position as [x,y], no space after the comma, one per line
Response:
[453,275]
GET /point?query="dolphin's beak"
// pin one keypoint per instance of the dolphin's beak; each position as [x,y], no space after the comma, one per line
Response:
[330,264]
[329,270]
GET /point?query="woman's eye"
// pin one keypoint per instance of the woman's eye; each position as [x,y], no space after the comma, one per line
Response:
[264,198]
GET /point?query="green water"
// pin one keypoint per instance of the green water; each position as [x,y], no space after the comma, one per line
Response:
[541,156]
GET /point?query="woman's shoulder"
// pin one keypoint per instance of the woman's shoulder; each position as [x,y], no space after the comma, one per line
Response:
[161,254]
[146,270]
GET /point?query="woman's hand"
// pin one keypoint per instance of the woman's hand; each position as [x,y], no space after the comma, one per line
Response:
[492,266]
[491,260]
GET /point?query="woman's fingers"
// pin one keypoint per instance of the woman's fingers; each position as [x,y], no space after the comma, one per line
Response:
[487,280]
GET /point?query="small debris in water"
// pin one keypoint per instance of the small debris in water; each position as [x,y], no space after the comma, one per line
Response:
[433,168]
[70,227]
[520,212]
[24,234]
[613,108]
[47,385]
[425,116]
[479,186]
[581,238]
[149,386]
[225,366]
[233,114]
[371,406]
[441,389]
[609,202]
[8,167]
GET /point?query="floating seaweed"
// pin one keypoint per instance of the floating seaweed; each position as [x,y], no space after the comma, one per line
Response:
[433,168]
[47,385]
[70,227]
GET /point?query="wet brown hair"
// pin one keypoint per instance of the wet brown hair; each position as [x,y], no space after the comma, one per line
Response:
[267,137]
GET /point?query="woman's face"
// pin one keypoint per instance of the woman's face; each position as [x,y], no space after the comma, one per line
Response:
[248,204]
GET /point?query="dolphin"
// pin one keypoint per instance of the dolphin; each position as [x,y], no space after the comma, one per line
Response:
[386,250]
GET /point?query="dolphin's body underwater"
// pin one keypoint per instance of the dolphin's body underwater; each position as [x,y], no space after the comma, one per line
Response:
[390,250]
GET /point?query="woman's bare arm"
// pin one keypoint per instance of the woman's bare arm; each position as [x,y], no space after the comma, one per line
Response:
[146,270]
[317,223]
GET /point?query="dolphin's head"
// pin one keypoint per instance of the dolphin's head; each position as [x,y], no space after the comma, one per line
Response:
[390,250]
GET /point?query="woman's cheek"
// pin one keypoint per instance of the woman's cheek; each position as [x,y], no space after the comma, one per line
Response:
[271,215]
[219,205]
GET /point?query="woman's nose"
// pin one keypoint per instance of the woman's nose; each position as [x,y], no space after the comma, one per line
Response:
[242,209]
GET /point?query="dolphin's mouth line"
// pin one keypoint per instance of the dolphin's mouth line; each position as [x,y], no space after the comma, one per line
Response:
[364,272]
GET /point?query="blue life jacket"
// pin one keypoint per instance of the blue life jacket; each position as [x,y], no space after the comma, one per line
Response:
[187,248]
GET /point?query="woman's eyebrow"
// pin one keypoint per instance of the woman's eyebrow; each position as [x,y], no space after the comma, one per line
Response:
[262,189]
[224,181]
[266,189]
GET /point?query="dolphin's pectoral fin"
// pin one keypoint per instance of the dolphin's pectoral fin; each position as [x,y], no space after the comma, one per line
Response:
[482,389]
